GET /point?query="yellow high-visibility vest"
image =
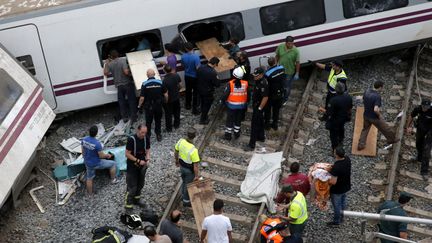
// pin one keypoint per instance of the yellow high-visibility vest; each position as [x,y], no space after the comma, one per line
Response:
[298,209]
[187,151]
[332,79]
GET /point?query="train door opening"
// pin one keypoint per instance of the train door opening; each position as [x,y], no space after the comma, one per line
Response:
[25,45]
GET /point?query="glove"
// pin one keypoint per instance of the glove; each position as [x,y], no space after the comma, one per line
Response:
[296,76]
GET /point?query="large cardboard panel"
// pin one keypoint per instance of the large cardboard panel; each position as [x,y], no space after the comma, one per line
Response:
[371,142]
[202,197]
[211,48]
[139,63]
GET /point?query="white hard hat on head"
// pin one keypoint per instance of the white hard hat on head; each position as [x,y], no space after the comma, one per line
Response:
[239,72]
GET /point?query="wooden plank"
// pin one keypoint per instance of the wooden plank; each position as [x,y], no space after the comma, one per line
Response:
[230,149]
[230,166]
[235,201]
[211,48]
[415,192]
[222,180]
[419,230]
[202,197]
[413,175]
[417,211]
[371,142]
[139,63]
[236,237]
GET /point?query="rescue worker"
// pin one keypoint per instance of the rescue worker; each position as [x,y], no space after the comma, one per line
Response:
[186,157]
[119,69]
[288,56]
[337,74]
[297,210]
[153,95]
[268,229]
[397,229]
[236,97]
[259,101]
[172,108]
[243,61]
[276,77]
[191,62]
[423,113]
[372,115]
[338,113]
[207,81]
[138,160]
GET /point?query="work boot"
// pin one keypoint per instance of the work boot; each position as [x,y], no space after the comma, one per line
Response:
[323,118]
[275,127]
[187,204]
[204,122]
[140,202]
[158,137]
[332,224]
[248,148]
[267,127]
[236,135]
[188,107]
[227,136]
[361,147]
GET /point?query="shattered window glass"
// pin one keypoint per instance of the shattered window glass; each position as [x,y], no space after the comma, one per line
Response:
[355,8]
[291,15]
[10,91]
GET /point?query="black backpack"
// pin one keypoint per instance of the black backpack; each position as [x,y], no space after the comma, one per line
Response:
[108,234]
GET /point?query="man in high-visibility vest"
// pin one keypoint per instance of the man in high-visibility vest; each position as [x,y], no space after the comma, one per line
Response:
[236,98]
[297,210]
[187,158]
[337,74]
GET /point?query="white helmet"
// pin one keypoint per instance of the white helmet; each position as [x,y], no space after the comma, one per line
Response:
[239,72]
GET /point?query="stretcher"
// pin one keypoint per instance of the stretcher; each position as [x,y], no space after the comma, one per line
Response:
[139,63]
[371,142]
[211,48]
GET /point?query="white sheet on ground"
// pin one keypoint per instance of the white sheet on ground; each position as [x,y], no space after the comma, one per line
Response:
[138,239]
[262,179]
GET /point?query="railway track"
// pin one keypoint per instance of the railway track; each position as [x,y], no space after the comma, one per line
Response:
[228,163]
[401,173]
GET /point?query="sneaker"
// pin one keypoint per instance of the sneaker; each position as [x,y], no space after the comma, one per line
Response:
[248,148]
[360,147]
[187,204]
[332,224]
[115,181]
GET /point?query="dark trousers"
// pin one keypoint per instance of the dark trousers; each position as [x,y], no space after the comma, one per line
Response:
[257,127]
[156,114]
[337,134]
[206,102]
[381,125]
[423,146]
[272,111]
[233,122]
[187,176]
[172,111]
[127,101]
[328,97]
[191,92]
[297,229]
[135,179]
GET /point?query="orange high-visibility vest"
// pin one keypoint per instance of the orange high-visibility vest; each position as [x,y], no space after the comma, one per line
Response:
[238,96]
[272,235]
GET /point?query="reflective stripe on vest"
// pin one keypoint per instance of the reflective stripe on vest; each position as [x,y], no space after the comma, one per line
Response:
[332,79]
[303,207]
[238,96]
[185,150]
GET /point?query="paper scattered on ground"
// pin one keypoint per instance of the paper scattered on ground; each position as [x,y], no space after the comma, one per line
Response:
[311,141]
[72,145]
[15,7]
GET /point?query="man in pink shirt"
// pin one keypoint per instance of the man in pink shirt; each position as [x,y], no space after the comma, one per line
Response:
[298,181]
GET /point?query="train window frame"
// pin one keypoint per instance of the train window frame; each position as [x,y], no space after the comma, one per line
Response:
[289,5]
[27,62]
[156,32]
[10,87]
[239,35]
[349,16]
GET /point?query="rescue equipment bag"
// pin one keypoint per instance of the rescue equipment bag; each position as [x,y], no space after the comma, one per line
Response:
[108,234]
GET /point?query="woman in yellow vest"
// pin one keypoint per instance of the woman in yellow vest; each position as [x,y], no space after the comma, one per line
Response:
[187,158]
[337,74]
[297,210]
[236,98]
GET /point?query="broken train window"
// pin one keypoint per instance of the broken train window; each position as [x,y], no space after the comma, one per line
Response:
[355,8]
[150,39]
[221,27]
[27,62]
[291,15]
[10,91]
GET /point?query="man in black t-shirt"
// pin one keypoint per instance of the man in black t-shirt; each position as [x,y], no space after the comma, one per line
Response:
[423,134]
[153,95]
[276,77]
[341,184]
[172,107]
[171,227]
[207,81]
[138,159]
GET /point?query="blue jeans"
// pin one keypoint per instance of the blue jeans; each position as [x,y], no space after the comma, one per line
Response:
[339,204]
[187,176]
[287,86]
[103,164]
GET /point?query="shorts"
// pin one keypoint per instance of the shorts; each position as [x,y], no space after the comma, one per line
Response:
[103,164]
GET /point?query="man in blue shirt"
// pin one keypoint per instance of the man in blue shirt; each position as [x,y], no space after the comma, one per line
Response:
[95,159]
[191,62]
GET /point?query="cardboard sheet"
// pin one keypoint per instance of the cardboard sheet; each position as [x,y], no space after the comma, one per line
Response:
[139,63]
[371,142]
[211,48]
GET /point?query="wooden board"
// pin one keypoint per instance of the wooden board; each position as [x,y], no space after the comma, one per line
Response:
[202,197]
[211,48]
[371,142]
[139,63]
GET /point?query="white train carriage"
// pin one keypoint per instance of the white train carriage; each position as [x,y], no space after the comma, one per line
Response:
[64,46]
[24,119]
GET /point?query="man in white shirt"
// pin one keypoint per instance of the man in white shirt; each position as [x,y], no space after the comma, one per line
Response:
[217,226]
